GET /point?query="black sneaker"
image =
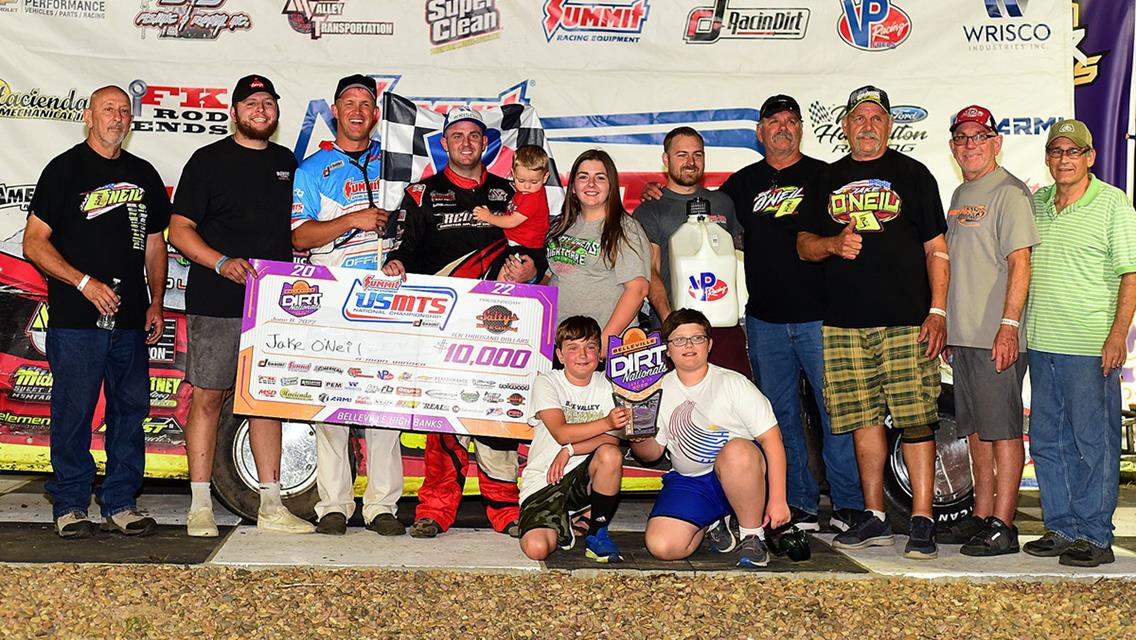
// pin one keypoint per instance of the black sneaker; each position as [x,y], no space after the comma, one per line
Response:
[869,532]
[720,536]
[921,539]
[332,524]
[804,520]
[385,524]
[1047,546]
[845,519]
[995,539]
[962,531]
[1083,553]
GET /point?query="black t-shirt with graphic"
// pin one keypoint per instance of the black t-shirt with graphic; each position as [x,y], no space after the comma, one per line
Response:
[768,203]
[100,212]
[894,201]
[241,200]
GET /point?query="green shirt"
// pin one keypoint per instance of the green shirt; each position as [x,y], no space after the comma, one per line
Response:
[1075,271]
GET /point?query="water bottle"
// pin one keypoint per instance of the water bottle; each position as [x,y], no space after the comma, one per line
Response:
[107,320]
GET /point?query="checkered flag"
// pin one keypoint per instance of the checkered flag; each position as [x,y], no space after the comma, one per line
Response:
[412,147]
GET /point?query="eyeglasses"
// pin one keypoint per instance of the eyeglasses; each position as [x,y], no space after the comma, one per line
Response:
[960,140]
[684,341]
[1072,153]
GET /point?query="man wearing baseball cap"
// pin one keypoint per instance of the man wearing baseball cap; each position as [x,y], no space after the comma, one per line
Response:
[335,215]
[1081,298]
[441,235]
[785,308]
[878,230]
[231,206]
[990,232]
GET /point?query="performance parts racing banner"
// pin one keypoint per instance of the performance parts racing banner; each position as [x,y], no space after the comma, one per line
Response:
[354,347]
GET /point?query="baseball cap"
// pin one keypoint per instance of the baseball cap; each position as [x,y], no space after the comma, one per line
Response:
[868,93]
[357,80]
[1075,130]
[974,113]
[463,113]
[249,85]
[778,103]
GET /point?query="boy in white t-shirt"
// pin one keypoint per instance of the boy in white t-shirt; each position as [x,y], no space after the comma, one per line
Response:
[573,461]
[725,450]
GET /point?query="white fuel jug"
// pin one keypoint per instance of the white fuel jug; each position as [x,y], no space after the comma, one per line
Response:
[707,274]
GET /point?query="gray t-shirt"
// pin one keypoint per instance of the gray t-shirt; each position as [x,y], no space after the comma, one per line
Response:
[588,286]
[989,219]
[661,218]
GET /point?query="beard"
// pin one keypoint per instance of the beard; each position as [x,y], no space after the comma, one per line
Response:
[686,179]
[252,133]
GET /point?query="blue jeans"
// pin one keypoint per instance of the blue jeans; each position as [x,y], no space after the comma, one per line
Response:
[82,361]
[778,353]
[1074,430]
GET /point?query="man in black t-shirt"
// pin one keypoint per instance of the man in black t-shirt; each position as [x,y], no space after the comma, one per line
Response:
[878,231]
[233,203]
[785,309]
[97,217]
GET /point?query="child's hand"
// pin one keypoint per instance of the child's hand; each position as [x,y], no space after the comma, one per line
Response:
[556,469]
[482,214]
[620,418]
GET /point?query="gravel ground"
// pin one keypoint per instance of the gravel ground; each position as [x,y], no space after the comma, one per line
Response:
[98,601]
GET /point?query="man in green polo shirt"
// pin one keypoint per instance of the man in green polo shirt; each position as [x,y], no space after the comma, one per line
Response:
[1082,295]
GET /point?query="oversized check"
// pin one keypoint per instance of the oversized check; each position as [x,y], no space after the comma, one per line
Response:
[426,354]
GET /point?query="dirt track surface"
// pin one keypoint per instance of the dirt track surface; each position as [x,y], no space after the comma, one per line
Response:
[92,601]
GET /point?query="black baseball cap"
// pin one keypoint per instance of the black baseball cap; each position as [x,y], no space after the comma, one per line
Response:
[249,85]
[868,93]
[778,103]
[357,80]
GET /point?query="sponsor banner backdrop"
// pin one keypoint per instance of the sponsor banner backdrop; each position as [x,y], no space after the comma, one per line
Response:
[346,346]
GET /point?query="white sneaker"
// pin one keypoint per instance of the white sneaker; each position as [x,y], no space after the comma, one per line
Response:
[282,520]
[200,523]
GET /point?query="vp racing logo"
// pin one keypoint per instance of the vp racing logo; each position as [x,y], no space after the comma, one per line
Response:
[389,300]
[707,287]
[190,19]
[576,21]
[873,25]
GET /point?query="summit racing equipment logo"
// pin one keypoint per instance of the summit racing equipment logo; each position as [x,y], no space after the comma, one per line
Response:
[707,25]
[174,109]
[16,195]
[374,299]
[34,105]
[190,19]
[460,23]
[1007,29]
[905,135]
[300,298]
[873,25]
[613,21]
[313,18]
[707,287]
[96,202]
[868,203]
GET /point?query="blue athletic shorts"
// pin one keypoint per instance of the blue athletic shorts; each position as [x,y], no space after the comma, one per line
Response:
[699,500]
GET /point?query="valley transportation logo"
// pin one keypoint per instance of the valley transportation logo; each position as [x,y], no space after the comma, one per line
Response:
[873,25]
[707,25]
[575,21]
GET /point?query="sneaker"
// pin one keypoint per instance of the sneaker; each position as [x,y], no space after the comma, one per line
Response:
[1083,553]
[424,528]
[844,519]
[282,520]
[995,539]
[752,553]
[804,520]
[130,522]
[921,539]
[200,524]
[385,524]
[74,524]
[601,548]
[332,523]
[567,542]
[513,530]
[720,537]
[962,531]
[1047,546]
[869,532]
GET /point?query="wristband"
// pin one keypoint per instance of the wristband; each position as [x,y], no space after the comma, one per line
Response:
[1009,322]
[571,451]
[940,254]
[217,267]
[83,282]
[935,311]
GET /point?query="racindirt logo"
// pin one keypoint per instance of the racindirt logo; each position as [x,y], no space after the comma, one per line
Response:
[868,203]
[497,319]
[190,19]
[33,105]
[96,202]
[707,25]
[873,25]
[577,21]
[314,18]
[460,23]
[300,298]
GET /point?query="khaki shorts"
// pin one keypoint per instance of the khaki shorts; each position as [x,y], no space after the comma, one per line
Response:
[869,372]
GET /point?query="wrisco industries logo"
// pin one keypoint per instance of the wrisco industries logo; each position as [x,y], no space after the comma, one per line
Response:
[873,25]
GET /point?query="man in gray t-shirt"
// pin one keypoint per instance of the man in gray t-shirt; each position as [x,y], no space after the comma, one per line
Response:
[990,232]
[684,160]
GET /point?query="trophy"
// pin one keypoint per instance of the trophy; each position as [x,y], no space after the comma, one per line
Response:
[636,363]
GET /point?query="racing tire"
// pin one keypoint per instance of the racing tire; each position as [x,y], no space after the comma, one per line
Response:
[954,484]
